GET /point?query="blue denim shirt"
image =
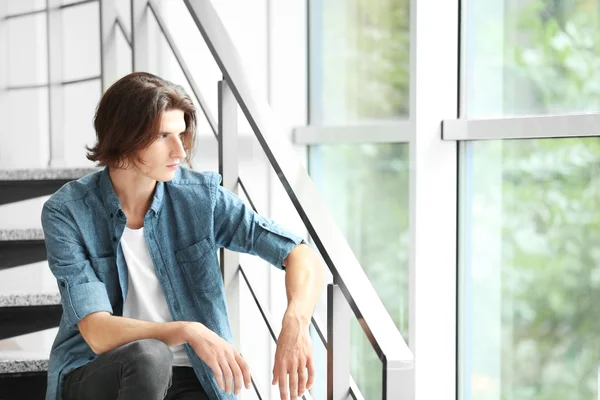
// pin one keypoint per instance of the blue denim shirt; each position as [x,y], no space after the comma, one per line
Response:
[190,217]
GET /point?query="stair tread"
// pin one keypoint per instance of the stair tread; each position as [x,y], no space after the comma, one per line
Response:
[44,174]
[29,299]
[23,362]
[21,234]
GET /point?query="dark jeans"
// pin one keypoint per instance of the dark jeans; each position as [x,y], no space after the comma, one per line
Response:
[138,370]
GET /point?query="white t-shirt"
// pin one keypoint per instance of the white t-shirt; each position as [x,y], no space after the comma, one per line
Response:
[145,298]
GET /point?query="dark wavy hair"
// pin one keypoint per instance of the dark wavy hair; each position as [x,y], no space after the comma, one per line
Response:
[128,117]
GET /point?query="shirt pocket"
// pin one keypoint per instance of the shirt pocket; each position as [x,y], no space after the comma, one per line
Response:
[200,266]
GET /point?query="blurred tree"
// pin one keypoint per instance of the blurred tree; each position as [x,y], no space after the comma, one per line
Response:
[550,209]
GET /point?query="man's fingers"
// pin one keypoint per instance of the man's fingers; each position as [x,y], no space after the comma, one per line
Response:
[238,378]
[283,387]
[301,380]
[293,384]
[275,376]
[227,374]
[216,369]
[245,370]
[311,372]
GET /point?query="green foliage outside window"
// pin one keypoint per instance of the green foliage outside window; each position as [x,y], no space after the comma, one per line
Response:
[550,188]
[551,209]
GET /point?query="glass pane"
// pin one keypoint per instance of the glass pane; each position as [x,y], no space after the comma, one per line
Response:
[530,270]
[365,366]
[527,57]
[359,60]
[319,388]
[366,189]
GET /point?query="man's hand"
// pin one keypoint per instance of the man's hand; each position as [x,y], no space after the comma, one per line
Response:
[224,360]
[294,356]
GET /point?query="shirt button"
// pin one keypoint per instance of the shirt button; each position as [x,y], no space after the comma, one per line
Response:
[114,239]
[111,215]
[90,358]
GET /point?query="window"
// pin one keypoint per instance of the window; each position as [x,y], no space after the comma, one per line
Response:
[359,60]
[359,77]
[530,269]
[365,188]
[530,208]
[526,57]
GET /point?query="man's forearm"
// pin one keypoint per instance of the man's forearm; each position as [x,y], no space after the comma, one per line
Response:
[303,280]
[104,332]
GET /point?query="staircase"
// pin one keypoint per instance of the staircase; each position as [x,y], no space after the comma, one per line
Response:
[23,373]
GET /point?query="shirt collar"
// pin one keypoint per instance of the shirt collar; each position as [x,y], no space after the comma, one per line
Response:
[111,201]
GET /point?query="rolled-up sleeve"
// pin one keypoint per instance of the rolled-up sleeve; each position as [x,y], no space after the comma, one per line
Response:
[239,228]
[82,293]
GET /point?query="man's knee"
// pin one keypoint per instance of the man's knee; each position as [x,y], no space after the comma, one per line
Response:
[149,355]
[147,368]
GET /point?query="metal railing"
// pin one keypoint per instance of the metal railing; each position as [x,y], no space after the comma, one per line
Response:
[351,286]
[351,289]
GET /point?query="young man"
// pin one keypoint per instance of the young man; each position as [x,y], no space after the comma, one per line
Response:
[133,248]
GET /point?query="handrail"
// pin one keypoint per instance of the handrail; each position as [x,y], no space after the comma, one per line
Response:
[376,322]
[186,72]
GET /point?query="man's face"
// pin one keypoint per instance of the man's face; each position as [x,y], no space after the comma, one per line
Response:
[162,157]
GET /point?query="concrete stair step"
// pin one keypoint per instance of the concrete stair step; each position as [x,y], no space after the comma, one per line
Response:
[29,299]
[22,314]
[23,376]
[25,184]
[20,247]
[11,235]
[19,362]
[40,174]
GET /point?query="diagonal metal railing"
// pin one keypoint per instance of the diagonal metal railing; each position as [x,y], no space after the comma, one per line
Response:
[352,289]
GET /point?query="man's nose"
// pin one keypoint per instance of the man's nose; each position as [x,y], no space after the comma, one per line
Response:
[178,150]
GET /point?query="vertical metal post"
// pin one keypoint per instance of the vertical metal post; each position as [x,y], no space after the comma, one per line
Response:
[55,79]
[228,168]
[140,35]
[338,344]
[108,43]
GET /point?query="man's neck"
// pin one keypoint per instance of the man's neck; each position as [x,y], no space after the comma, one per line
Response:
[134,191]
